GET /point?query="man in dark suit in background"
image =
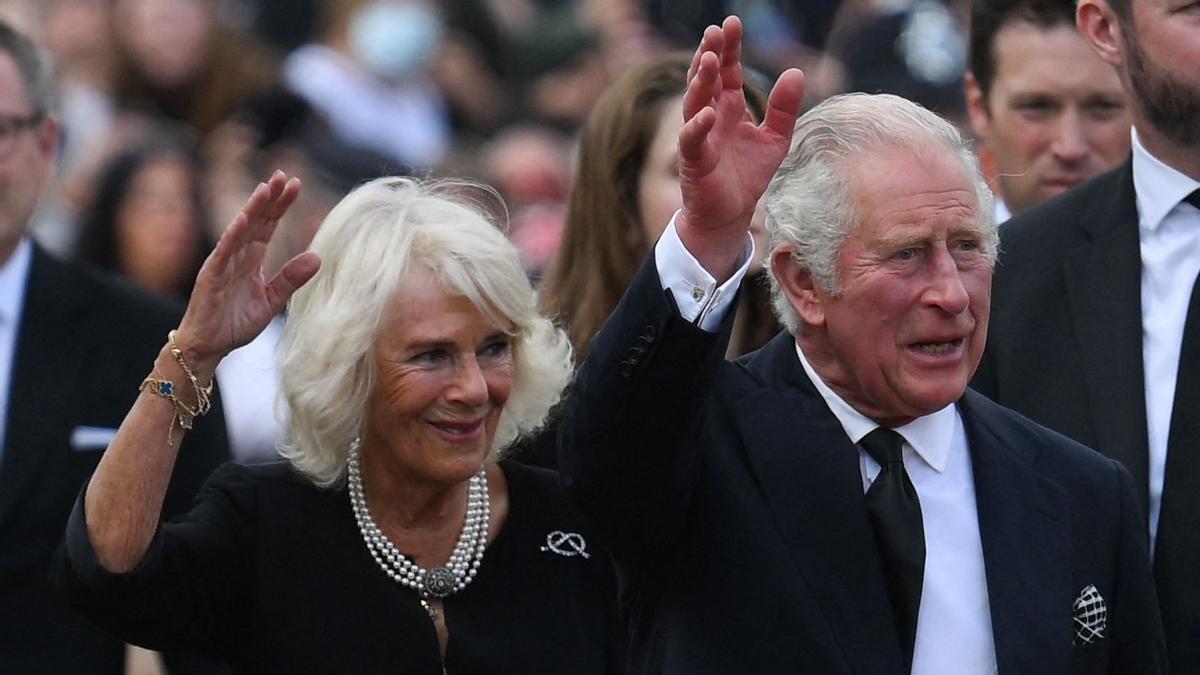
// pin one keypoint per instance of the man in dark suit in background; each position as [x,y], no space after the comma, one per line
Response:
[74,347]
[1096,321]
[839,502]
[1051,112]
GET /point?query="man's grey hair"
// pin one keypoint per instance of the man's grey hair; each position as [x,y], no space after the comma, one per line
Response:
[34,69]
[370,243]
[808,203]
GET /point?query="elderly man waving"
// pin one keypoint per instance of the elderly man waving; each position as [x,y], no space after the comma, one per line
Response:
[839,502]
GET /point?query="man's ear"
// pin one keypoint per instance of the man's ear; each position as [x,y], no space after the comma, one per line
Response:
[1098,24]
[981,121]
[802,291]
[47,137]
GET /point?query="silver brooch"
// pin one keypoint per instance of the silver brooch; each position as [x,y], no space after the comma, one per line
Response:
[567,544]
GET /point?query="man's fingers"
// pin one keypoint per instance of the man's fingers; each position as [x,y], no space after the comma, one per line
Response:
[702,89]
[731,53]
[713,40]
[693,138]
[783,106]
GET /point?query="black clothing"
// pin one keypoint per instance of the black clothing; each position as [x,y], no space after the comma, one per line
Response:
[1065,348]
[271,574]
[84,344]
[732,501]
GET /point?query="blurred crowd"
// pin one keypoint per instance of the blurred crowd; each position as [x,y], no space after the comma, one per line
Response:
[173,109]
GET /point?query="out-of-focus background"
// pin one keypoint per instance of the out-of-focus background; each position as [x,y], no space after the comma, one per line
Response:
[173,109]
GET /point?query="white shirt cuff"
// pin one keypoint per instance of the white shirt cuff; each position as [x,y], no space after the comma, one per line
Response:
[699,299]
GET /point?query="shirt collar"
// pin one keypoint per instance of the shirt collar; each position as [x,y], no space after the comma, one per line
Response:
[13,274]
[930,436]
[1159,187]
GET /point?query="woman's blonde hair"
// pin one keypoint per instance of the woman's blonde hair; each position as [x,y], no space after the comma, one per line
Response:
[369,242]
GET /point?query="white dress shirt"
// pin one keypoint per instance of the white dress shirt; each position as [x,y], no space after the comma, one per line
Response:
[1169,233]
[248,378]
[954,625]
[14,274]
[697,295]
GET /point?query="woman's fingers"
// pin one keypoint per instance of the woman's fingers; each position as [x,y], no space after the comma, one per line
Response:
[258,217]
[294,274]
[268,203]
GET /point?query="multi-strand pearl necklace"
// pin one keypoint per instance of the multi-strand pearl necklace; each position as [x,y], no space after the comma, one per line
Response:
[436,582]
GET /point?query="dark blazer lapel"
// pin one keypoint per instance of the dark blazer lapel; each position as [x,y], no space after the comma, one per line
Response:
[46,365]
[1104,294]
[1026,537]
[808,471]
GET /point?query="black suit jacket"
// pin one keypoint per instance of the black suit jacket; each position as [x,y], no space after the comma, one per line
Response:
[733,503]
[84,345]
[1065,348]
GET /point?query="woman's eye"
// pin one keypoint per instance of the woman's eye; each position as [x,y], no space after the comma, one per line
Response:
[496,350]
[430,357]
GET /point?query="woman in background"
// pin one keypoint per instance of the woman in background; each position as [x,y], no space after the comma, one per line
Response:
[625,191]
[147,220]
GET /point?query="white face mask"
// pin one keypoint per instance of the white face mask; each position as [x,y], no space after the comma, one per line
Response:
[394,39]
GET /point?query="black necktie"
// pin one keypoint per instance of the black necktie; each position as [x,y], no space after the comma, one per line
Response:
[896,517]
[1177,547]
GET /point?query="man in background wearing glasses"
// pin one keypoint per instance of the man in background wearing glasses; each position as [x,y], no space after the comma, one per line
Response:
[73,348]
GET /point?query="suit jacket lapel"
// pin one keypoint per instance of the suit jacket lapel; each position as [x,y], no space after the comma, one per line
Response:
[808,471]
[1026,537]
[1104,293]
[48,360]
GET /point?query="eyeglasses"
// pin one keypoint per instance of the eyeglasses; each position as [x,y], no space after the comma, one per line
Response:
[11,125]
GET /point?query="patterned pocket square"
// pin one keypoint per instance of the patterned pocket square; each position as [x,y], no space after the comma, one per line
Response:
[1091,616]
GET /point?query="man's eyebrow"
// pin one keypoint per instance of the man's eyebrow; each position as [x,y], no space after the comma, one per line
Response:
[901,240]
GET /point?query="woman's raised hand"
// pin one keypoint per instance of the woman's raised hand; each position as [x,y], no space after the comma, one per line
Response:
[232,302]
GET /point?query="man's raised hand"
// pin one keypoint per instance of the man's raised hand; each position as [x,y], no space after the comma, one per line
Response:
[726,160]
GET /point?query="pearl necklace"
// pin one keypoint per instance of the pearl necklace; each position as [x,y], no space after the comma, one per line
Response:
[439,581]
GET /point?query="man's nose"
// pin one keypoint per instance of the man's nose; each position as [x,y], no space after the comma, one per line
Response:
[1070,141]
[946,289]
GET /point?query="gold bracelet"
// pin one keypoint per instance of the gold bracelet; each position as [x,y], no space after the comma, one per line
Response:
[203,394]
[184,416]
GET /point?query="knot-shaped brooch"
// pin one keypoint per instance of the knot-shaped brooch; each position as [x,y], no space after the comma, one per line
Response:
[568,544]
